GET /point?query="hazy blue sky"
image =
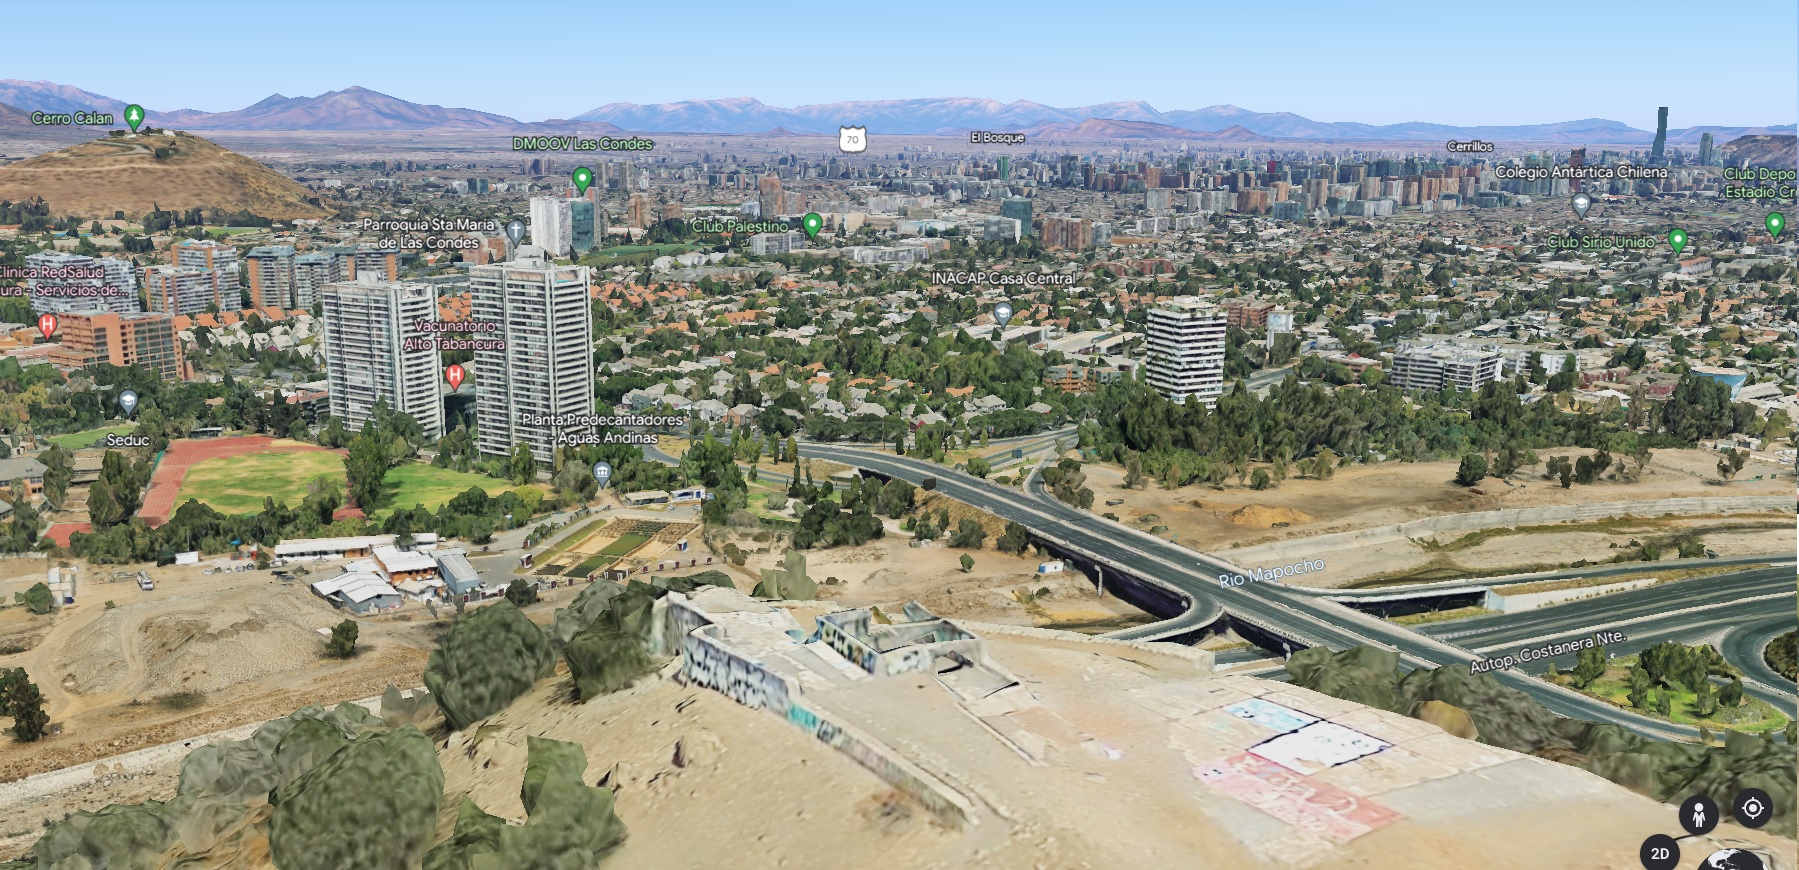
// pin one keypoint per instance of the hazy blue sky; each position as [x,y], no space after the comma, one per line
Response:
[1525,61]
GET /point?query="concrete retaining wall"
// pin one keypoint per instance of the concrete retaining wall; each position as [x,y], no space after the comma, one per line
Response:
[1178,655]
[1324,546]
[1516,602]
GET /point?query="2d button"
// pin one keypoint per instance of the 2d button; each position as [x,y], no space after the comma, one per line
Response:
[1699,815]
[1659,852]
[1752,808]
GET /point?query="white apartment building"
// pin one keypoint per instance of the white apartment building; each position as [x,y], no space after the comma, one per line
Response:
[311,273]
[182,289]
[61,283]
[552,225]
[1431,367]
[763,244]
[545,370]
[367,324]
[218,257]
[1185,356]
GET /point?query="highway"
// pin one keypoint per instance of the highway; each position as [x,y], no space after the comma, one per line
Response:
[1303,619]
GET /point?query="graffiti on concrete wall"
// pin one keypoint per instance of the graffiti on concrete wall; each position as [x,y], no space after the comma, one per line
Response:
[706,662]
[906,660]
[845,645]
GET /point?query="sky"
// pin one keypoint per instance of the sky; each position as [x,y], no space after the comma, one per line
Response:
[1519,62]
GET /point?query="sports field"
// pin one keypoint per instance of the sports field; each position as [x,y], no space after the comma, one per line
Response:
[238,484]
[78,440]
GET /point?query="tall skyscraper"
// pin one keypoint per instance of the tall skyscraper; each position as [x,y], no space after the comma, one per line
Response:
[545,370]
[552,225]
[1661,135]
[218,258]
[637,211]
[1707,149]
[270,269]
[1019,209]
[581,227]
[1186,351]
[311,273]
[367,324]
[768,196]
[58,282]
[137,339]
[1005,168]
[1577,158]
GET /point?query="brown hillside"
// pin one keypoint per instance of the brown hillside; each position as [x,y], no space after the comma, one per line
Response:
[97,178]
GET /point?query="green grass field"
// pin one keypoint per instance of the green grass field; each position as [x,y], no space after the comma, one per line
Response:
[78,440]
[417,483]
[591,565]
[238,484]
[1753,715]
[625,544]
[627,250]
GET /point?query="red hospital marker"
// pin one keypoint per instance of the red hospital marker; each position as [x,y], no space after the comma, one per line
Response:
[453,374]
[46,324]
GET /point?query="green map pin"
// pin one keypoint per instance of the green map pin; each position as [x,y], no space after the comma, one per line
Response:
[813,223]
[1776,223]
[134,115]
[1677,239]
[583,177]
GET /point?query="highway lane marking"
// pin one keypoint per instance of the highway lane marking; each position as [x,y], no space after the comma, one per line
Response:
[1587,629]
[1500,622]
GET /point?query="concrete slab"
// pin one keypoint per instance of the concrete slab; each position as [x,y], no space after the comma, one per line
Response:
[1385,771]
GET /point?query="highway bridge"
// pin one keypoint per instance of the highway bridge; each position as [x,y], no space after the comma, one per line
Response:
[1182,585]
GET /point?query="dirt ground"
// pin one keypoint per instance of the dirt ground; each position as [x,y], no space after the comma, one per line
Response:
[196,655]
[1000,588]
[1360,497]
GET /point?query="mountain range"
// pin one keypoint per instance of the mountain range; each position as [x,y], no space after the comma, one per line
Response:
[358,108]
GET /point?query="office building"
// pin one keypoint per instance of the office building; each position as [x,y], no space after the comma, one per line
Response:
[372,350]
[763,244]
[270,269]
[637,211]
[581,227]
[768,196]
[1019,209]
[182,289]
[311,273]
[58,282]
[135,339]
[1433,367]
[552,225]
[1000,229]
[1005,168]
[1661,135]
[1185,354]
[218,258]
[1708,150]
[545,369]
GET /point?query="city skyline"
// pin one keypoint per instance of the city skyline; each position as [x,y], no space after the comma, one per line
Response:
[1516,84]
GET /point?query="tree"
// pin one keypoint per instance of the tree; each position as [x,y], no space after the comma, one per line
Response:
[521,592]
[1732,463]
[979,467]
[967,563]
[1472,469]
[1732,693]
[522,467]
[21,699]
[1014,540]
[1705,700]
[1640,686]
[342,644]
[1590,667]
[1260,479]
[366,468]
[969,535]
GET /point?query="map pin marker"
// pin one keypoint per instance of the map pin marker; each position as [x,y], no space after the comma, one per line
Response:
[1582,202]
[454,374]
[582,177]
[1677,239]
[515,230]
[1003,313]
[128,401]
[1776,223]
[134,115]
[602,472]
[46,324]
[813,223]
